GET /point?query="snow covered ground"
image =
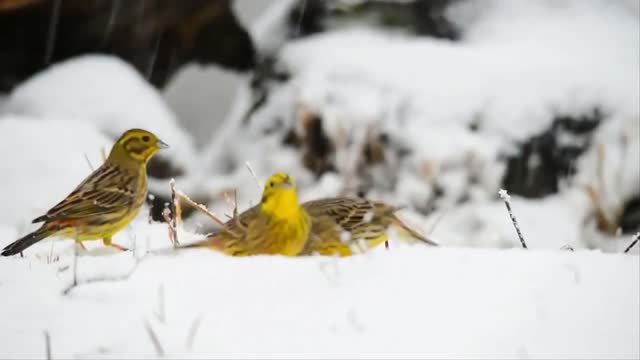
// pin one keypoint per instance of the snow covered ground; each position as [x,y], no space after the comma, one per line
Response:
[408,302]
[518,64]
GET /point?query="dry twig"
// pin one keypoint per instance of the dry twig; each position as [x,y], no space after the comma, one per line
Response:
[506,197]
[154,339]
[199,207]
[635,238]
[195,326]
[255,177]
[47,345]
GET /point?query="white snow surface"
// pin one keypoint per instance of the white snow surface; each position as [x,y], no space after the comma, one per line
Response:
[407,302]
[518,64]
[106,92]
[43,161]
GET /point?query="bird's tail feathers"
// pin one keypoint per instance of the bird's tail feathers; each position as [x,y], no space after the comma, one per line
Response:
[23,243]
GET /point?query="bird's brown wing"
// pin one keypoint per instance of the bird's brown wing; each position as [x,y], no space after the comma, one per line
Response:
[107,190]
[338,224]
[351,213]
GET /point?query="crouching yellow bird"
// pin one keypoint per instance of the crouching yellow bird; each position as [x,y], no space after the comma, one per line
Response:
[346,226]
[106,201]
[278,225]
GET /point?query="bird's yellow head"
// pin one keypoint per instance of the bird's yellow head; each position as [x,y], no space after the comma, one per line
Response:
[137,144]
[279,197]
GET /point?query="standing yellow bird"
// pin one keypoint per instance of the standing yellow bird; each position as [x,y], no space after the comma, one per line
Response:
[106,201]
[278,225]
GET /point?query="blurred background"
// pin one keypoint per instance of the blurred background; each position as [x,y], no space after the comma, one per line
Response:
[435,105]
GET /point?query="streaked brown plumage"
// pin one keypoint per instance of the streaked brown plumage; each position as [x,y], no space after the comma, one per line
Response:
[339,226]
[106,201]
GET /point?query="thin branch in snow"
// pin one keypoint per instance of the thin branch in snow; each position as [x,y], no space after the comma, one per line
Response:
[506,197]
[199,207]
[50,257]
[195,326]
[174,214]
[124,277]
[634,241]
[253,174]
[154,339]
[161,312]
[99,280]
[89,162]
[47,345]
[171,215]
[75,260]
[232,203]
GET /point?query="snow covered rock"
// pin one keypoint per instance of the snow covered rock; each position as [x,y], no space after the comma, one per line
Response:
[43,161]
[111,95]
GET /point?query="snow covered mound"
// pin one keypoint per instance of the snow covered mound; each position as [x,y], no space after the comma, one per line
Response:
[43,161]
[408,302]
[107,92]
[533,97]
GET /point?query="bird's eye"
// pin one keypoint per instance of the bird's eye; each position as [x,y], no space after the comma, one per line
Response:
[272,184]
[146,138]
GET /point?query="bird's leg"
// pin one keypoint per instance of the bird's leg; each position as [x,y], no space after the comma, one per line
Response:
[107,242]
[81,245]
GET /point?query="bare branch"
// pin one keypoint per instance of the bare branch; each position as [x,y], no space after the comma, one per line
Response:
[253,174]
[166,214]
[635,238]
[232,203]
[47,345]
[75,260]
[161,312]
[506,197]
[199,207]
[174,206]
[123,277]
[195,326]
[154,339]
[89,162]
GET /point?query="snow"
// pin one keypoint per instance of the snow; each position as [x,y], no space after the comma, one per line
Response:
[517,66]
[107,92]
[478,295]
[44,161]
[450,303]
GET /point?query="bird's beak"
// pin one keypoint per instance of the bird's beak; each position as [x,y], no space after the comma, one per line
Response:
[161,144]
